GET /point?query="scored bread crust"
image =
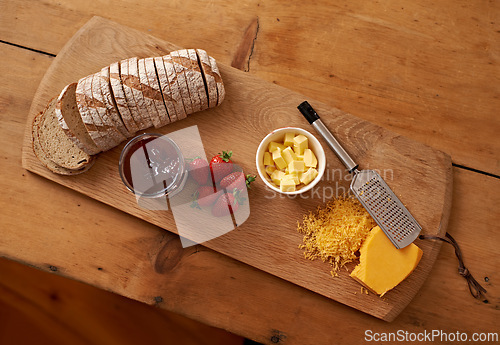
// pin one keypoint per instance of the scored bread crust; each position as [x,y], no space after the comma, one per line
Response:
[208,74]
[163,106]
[182,82]
[97,102]
[88,117]
[70,120]
[221,92]
[135,85]
[56,144]
[107,96]
[172,85]
[126,80]
[199,81]
[106,141]
[185,64]
[42,157]
[168,85]
[148,94]
[119,97]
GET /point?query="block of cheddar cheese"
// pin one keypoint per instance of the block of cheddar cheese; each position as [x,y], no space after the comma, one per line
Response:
[381,265]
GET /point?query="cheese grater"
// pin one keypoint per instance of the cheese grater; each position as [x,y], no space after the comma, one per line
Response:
[371,190]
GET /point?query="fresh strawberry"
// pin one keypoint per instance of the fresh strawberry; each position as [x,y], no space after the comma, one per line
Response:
[221,165]
[236,180]
[227,204]
[198,169]
[205,196]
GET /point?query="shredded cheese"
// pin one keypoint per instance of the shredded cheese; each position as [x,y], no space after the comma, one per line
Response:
[335,233]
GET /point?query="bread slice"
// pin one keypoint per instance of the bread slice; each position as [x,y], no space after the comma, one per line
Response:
[221,92]
[42,157]
[208,75]
[119,97]
[107,139]
[108,128]
[135,85]
[163,107]
[56,144]
[173,85]
[185,63]
[182,82]
[199,82]
[110,104]
[71,122]
[148,94]
[89,117]
[128,82]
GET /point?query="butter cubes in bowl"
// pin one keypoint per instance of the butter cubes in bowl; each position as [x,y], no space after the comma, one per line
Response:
[290,160]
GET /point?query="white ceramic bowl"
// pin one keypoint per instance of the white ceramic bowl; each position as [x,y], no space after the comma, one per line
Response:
[279,135]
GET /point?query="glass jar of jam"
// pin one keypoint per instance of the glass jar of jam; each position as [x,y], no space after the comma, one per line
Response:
[152,165]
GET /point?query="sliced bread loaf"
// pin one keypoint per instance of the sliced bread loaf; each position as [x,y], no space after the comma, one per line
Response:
[110,103]
[173,85]
[108,128]
[41,155]
[56,144]
[221,92]
[199,82]
[89,117]
[169,89]
[135,84]
[71,122]
[127,82]
[208,75]
[148,93]
[164,107]
[119,97]
[182,83]
[185,64]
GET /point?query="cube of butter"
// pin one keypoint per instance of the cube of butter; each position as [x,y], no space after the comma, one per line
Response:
[288,141]
[288,155]
[296,167]
[270,169]
[308,176]
[300,143]
[310,159]
[294,177]
[287,185]
[277,176]
[268,160]
[273,145]
[300,157]
[278,159]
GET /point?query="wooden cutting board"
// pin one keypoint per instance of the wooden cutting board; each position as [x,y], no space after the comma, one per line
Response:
[268,240]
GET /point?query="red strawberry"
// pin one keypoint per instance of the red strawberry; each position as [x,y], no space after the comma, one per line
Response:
[205,196]
[236,180]
[221,165]
[227,204]
[198,169]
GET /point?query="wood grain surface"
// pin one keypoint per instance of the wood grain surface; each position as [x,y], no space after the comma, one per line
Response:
[400,65]
[403,75]
[253,108]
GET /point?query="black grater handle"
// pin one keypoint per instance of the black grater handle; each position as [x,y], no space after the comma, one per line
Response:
[313,118]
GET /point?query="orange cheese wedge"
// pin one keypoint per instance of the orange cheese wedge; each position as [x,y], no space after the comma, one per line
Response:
[381,265]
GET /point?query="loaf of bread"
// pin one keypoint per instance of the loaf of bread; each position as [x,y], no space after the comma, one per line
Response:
[100,111]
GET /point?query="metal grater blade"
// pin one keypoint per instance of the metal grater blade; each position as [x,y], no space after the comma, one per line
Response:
[385,208]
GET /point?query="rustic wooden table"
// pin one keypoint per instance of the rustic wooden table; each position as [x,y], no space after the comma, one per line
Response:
[427,70]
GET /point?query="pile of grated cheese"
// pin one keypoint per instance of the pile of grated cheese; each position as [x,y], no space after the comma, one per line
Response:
[335,233]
